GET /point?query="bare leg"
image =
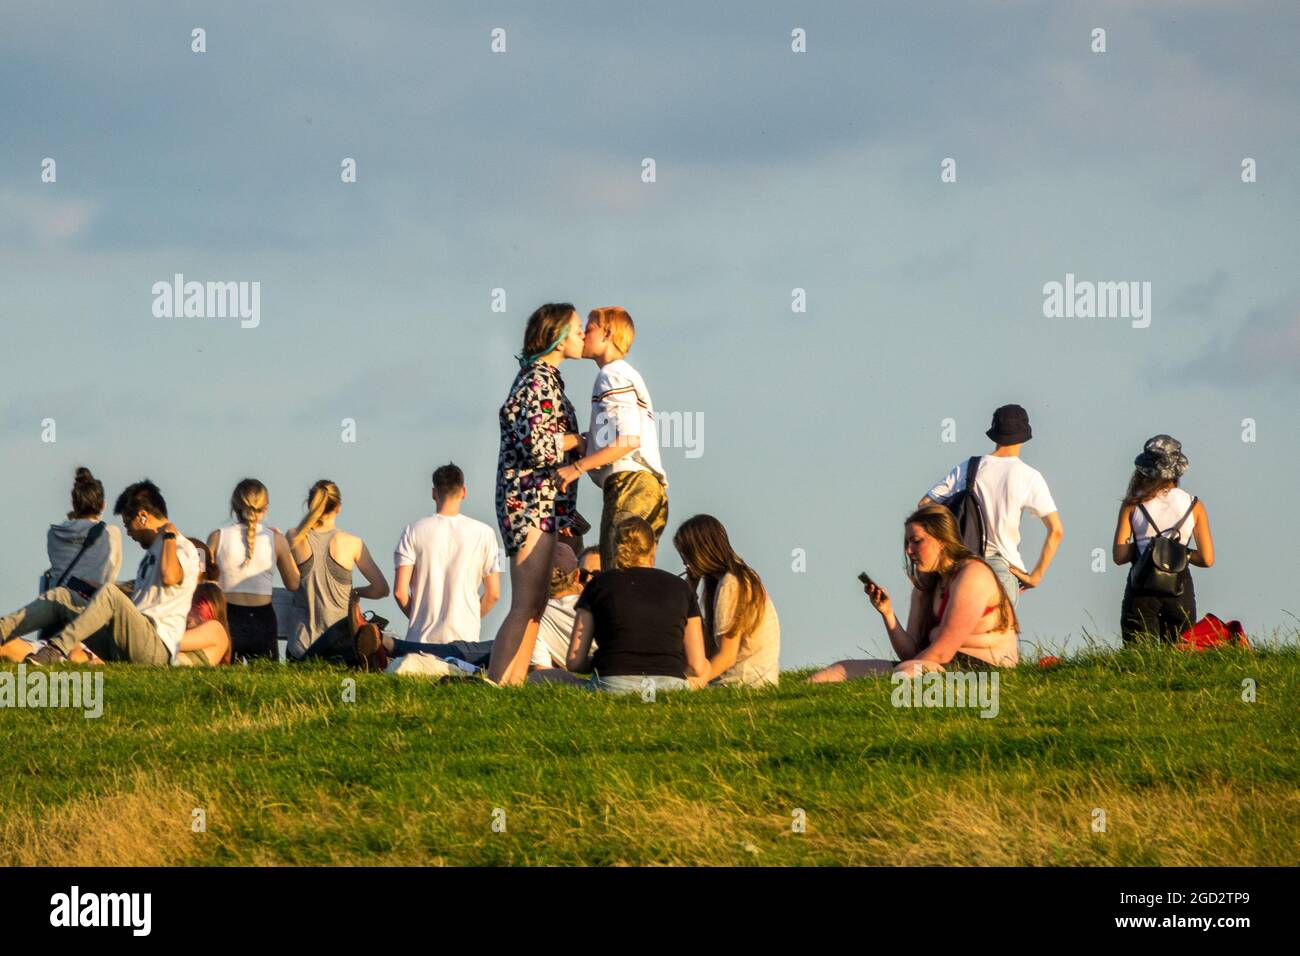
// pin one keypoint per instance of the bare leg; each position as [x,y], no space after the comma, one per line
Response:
[851,670]
[530,579]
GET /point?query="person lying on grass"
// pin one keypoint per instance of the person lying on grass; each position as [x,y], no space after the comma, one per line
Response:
[959,616]
[742,635]
[647,623]
[206,641]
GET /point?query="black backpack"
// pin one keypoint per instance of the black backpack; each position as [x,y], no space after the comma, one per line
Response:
[1160,566]
[966,508]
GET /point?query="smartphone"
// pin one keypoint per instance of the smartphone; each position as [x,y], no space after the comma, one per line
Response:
[866,579]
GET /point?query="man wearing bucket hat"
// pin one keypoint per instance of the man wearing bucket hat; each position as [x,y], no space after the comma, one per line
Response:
[1005,486]
[1156,506]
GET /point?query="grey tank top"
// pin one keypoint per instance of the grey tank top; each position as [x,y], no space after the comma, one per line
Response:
[322,598]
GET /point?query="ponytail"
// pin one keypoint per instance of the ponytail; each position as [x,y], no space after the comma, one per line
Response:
[321,499]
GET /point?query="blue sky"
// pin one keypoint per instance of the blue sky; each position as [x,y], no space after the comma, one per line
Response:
[775,170]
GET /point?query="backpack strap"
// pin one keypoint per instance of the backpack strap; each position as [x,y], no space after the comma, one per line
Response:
[1151,521]
[1190,508]
[92,536]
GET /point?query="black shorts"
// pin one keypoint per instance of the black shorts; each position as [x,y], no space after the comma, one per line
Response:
[253,632]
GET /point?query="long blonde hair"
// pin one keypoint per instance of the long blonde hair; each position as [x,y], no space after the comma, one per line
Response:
[322,499]
[939,523]
[248,503]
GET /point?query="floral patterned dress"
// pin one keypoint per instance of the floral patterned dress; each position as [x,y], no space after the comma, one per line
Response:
[534,421]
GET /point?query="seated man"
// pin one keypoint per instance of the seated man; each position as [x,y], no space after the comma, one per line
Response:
[145,628]
[568,577]
[442,561]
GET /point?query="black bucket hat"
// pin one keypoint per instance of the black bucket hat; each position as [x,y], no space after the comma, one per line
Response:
[1162,457]
[1010,426]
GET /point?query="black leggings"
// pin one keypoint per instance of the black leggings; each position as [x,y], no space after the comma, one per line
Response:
[1164,616]
[252,632]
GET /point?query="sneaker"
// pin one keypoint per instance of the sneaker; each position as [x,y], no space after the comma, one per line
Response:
[49,654]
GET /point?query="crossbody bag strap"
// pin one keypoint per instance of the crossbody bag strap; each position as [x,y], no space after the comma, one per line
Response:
[92,536]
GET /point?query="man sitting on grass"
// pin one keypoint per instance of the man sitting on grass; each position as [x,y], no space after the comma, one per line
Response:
[145,628]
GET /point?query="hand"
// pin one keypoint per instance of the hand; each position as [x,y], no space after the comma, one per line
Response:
[698,683]
[567,475]
[1027,581]
[917,666]
[879,598]
[168,528]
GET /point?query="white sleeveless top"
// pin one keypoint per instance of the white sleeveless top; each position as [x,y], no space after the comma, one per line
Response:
[1166,509]
[237,577]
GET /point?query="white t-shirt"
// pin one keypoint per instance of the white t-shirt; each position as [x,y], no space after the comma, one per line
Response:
[620,405]
[1167,509]
[1005,486]
[554,631]
[451,554]
[167,607]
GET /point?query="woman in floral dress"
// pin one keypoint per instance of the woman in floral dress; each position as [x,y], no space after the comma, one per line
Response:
[539,433]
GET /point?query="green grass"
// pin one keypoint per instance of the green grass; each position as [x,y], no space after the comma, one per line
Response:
[411,772]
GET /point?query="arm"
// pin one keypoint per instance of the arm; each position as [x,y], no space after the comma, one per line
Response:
[578,660]
[402,587]
[302,550]
[376,584]
[902,639]
[170,566]
[1123,550]
[491,593]
[1055,532]
[965,608]
[697,664]
[208,634]
[289,574]
[1203,554]
[946,488]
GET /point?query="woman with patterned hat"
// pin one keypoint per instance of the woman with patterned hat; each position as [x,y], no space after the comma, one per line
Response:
[1156,506]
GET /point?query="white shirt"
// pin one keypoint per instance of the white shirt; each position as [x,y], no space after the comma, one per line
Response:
[167,607]
[1167,509]
[620,405]
[554,631]
[236,577]
[450,555]
[1005,486]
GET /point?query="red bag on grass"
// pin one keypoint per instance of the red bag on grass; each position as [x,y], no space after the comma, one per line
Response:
[1210,632]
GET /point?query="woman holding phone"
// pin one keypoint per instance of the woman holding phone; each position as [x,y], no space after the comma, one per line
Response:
[959,614]
[539,434]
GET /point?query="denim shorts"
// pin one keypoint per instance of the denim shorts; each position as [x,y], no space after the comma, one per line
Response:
[636,683]
[1010,583]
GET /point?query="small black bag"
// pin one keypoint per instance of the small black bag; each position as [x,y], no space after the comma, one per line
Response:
[966,508]
[1159,568]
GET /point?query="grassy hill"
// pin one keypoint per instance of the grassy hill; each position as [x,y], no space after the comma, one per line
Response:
[288,772]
